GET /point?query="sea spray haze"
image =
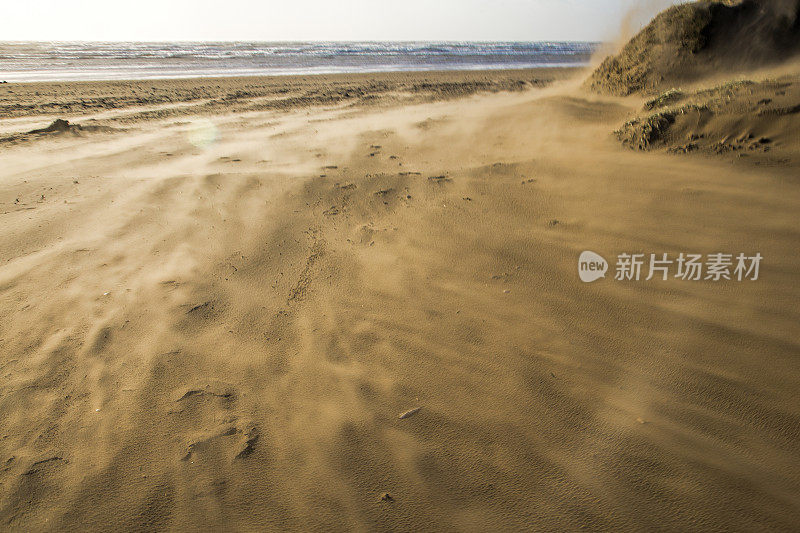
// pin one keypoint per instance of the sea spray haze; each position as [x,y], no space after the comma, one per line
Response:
[39,61]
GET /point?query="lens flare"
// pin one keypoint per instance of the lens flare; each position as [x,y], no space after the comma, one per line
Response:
[203,133]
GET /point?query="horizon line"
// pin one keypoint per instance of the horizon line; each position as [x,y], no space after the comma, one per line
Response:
[234,41]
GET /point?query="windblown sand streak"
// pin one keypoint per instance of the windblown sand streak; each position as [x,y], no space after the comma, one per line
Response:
[228,337]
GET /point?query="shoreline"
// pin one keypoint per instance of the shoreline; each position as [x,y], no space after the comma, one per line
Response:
[288,74]
[110,61]
[337,76]
[235,94]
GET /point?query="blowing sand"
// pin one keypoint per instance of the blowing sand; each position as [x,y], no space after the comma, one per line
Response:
[364,313]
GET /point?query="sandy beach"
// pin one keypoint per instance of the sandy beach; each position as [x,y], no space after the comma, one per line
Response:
[351,303]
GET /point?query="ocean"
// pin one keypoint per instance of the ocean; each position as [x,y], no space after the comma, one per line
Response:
[65,61]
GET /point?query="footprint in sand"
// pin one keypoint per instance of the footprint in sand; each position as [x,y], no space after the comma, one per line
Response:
[235,441]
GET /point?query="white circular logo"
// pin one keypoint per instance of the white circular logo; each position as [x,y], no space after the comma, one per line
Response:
[591,267]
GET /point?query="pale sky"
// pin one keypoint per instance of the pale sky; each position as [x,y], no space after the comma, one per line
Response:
[318,20]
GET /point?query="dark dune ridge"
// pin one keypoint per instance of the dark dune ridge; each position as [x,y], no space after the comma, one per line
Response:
[692,41]
[698,62]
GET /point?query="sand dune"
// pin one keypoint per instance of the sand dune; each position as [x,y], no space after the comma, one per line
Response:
[366,315]
[693,41]
[758,120]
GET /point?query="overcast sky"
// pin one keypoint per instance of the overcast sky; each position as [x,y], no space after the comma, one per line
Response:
[229,20]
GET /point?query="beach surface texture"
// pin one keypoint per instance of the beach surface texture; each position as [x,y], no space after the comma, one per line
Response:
[353,303]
